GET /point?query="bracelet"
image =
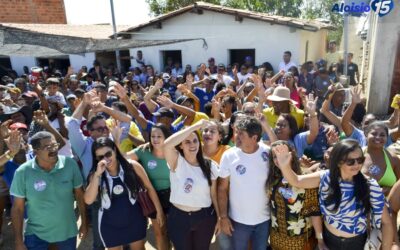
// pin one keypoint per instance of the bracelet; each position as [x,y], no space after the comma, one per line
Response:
[312,116]
[319,236]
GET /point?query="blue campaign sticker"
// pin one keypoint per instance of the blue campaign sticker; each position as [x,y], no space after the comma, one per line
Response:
[40,185]
[374,170]
[287,193]
[382,7]
[118,189]
[264,156]
[152,164]
[240,169]
[188,186]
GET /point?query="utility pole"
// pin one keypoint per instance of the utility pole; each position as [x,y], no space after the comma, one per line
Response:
[115,35]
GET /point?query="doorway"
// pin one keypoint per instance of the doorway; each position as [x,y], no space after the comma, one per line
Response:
[170,56]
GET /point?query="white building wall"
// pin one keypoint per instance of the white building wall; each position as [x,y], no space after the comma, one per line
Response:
[18,63]
[222,33]
[77,61]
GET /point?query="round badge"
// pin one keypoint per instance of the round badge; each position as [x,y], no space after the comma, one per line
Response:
[188,186]
[374,170]
[40,185]
[205,98]
[152,164]
[287,193]
[240,169]
[118,189]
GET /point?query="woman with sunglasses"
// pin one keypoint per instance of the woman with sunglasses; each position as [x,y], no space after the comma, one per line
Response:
[116,182]
[347,197]
[380,164]
[151,156]
[294,211]
[193,215]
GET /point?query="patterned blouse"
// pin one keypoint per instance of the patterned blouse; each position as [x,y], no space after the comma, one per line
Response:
[350,216]
[290,210]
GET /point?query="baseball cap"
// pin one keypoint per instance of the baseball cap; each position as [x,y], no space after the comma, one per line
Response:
[164,112]
[71,96]
[166,76]
[18,125]
[14,90]
[221,65]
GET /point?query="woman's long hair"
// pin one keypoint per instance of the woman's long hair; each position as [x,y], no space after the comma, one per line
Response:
[275,173]
[361,188]
[130,178]
[205,164]
[294,129]
[166,132]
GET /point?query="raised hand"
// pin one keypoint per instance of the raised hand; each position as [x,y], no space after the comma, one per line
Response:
[96,105]
[355,95]
[87,97]
[13,142]
[183,88]
[189,81]
[159,84]
[165,101]
[70,71]
[207,70]
[283,156]
[311,104]
[4,129]
[40,118]
[120,91]
[332,137]
[116,130]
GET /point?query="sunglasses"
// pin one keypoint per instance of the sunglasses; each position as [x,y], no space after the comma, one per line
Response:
[352,161]
[106,155]
[52,147]
[100,129]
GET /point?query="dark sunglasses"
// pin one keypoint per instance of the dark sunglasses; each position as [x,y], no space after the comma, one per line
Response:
[100,129]
[106,155]
[351,162]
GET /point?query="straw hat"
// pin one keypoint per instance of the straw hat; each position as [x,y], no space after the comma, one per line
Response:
[280,94]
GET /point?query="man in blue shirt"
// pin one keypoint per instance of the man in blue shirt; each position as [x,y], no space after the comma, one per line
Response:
[205,94]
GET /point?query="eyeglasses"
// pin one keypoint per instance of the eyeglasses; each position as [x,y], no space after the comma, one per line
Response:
[51,147]
[352,161]
[106,155]
[100,129]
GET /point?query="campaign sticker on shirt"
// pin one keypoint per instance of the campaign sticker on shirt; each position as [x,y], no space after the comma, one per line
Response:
[118,189]
[264,156]
[374,170]
[287,193]
[205,98]
[40,185]
[240,169]
[188,186]
[152,164]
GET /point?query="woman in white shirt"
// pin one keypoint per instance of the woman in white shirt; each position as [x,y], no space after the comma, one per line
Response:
[192,218]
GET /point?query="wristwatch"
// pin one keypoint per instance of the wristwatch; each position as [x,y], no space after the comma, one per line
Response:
[8,155]
[319,236]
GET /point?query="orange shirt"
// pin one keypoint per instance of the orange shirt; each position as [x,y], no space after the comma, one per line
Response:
[217,156]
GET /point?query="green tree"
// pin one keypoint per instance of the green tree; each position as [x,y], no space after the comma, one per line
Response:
[289,8]
[158,7]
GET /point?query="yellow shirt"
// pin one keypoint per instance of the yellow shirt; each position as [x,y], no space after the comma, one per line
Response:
[198,116]
[271,117]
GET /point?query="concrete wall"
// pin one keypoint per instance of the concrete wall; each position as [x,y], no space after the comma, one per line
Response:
[18,63]
[32,11]
[77,61]
[222,33]
[382,61]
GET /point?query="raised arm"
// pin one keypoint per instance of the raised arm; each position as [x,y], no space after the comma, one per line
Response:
[150,104]
[346,120]
[171,155]
[189,113]
[97,107]
[311,106]
[40,118]
[325,110]
[13,143]
[284,159]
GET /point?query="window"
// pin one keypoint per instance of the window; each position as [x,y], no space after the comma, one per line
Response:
[169,57]
[239,56]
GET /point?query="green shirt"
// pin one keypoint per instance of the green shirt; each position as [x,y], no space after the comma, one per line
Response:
[156,168]
[49,198]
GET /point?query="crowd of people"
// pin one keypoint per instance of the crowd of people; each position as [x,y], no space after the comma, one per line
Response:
[261,159]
